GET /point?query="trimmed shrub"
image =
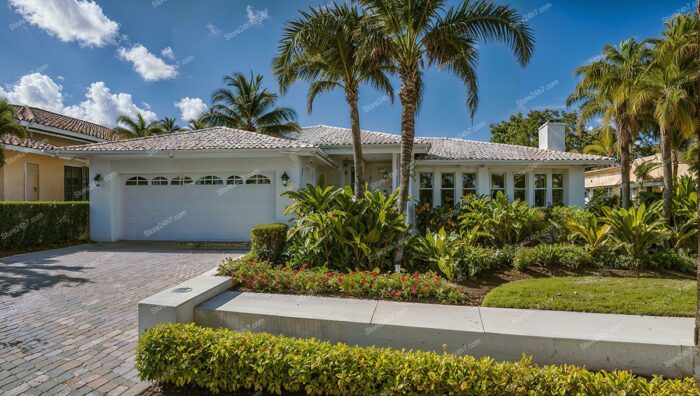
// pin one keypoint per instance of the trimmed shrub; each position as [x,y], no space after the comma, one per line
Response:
[29,224]
[222,360]
[267,241]
[557,218]
[564,255]
[678,260]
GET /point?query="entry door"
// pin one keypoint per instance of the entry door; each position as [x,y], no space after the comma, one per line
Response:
[31,182]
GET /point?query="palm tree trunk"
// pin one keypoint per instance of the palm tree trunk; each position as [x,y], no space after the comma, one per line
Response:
[674,155]
[358,160]
[667,164]
[625,172]
[697,186]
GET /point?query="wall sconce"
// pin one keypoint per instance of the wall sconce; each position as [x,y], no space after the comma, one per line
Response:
[98,180]
[285,179]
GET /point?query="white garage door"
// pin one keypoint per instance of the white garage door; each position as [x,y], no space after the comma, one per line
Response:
[189,208]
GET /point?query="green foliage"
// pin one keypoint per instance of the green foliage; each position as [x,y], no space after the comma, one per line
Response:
[339,230]
[267,241]
[685,207]
[522,130]
[556,219]
[636,230]
[441,249]
[435,218]
[561,255]
[222,360]
[28,224]
[601,198]
[588,231]
[263,276]
[677,259]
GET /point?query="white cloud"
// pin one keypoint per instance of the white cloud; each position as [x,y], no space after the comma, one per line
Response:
[167,52]
[35,89]
[103,107]
[190,108]
[147,65]
[213,30]
[69,20]
[255,16]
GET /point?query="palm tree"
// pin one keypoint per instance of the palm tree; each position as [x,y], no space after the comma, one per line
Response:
[247,105]
[605,89]
[169,125]
[697,184]
[322,47]
[414,34]
[200,123]
[132,128]
[605,143]
[9,125]
[642,172]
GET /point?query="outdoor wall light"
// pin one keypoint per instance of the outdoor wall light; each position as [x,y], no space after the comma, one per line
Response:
[98,180]
[285,179]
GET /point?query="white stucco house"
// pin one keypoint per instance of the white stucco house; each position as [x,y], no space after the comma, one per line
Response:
[215,184]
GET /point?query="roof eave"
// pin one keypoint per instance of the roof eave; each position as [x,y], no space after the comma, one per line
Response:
[581,162]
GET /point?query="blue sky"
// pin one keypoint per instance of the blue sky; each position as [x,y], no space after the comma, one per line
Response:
[98,60]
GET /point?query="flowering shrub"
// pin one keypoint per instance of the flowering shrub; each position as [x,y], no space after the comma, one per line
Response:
[264,276]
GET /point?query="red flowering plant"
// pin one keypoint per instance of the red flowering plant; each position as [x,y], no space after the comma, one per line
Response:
[265,276]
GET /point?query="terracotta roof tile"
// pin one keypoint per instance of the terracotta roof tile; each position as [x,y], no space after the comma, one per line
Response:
[60,121]
[28,143]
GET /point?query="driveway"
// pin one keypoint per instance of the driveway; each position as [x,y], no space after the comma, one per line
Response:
[68,317]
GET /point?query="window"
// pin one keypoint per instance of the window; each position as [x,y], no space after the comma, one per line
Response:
[209,181]
[520,187]
[469,183]
[137,181]
[447,189]
[540,190]
[425,188]
[557,189]
[234,180]
[181,181]
[498,183]
[159,181]
[257,179]
[75,183]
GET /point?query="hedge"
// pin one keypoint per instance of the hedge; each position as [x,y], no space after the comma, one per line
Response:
[267,241]
[555,255]
[224,360]
[29,224]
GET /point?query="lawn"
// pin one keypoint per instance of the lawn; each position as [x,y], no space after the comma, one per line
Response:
[622,295]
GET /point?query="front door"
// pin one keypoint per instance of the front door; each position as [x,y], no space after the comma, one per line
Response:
[31,182]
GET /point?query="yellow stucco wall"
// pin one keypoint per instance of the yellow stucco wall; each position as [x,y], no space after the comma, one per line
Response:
[50,175]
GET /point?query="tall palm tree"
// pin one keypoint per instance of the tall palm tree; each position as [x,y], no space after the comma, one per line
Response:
[129,128]
[642,172]
[169,125]
[414,34]
[697,184]
[200,123]
[606,88]
[246,105]
[9,125]
[605,142]
[322,47]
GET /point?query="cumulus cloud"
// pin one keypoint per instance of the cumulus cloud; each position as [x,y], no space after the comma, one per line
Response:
[255,16]
[190,108]
[167,52]
[147,65]
[35,89]
[103,107]
[69,20]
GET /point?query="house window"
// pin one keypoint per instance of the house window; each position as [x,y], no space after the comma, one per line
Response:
[209,181]
[75,183]
[469,183]
[257,179]
[425,188]
[137,181]
[498,183]
[557,189]
[447,189]
[159,181]
[234,180]
[540,190]
[181,181]
[520,187]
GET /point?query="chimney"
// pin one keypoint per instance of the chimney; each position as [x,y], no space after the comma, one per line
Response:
[553,136]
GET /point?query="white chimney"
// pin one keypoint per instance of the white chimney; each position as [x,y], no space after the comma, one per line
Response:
[553,136]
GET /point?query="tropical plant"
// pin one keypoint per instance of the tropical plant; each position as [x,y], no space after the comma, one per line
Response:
[413,34]
[132,128]
[685,220]
[322,47]
[593,234]
[169,125]
[245,104]
[642,172]
[9,125]
[195,125]
[441,249]
[636,230]
[605,143]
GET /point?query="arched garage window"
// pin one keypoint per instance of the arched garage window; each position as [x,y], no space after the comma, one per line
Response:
[209,181]
[159,181]
[181,181]
[234,180]
[257,179]
[137,181]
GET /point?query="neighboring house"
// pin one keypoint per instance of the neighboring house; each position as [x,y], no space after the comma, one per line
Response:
[214,184]
[609,178]
[33,171]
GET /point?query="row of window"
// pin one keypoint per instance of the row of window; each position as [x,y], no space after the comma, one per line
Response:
[202,181]
[498,184]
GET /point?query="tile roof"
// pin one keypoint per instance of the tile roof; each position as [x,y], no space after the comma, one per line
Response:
[60,121]
[324,135]
[28,143]
[460,149]
[216,138]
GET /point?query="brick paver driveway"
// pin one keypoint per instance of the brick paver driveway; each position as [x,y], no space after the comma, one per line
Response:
[68,316]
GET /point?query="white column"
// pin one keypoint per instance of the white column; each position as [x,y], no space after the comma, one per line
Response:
[575,187]
[483,181]
[106,219]
[394,172]
[458,187]
[437,186]
[548,201]
[509,185]
[530,186]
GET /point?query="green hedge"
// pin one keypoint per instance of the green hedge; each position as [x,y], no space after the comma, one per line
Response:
[555,255]
[267,241]
[225,360]
[29,224]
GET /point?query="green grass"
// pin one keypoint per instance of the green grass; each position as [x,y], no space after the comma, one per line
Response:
[635,296]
